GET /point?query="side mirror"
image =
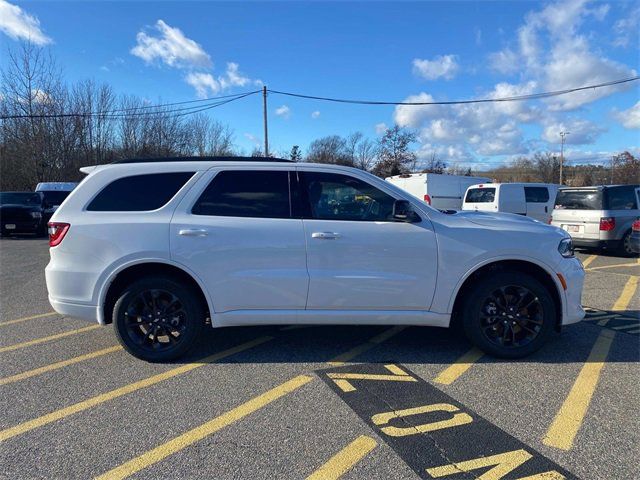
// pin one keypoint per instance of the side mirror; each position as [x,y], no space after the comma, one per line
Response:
[402,211]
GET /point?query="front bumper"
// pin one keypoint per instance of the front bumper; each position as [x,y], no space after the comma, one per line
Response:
[573,273]
[31,226]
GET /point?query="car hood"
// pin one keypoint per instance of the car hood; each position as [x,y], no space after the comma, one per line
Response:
[506,221]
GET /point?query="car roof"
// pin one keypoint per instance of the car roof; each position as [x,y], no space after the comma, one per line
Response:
[201,159]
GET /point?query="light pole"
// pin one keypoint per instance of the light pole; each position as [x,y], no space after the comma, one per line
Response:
[562,135]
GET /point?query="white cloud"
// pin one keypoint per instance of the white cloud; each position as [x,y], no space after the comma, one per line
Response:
[444,66]
[170,47]
[414,115]
[253,139]
[629,118]
[581,132]
[553,52]
[626,29]
[19,25]
[283,111]
[505,61]
[380,128]
[206,84]
[315,114]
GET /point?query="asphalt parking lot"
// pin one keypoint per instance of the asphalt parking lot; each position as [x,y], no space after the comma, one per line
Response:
[319,402]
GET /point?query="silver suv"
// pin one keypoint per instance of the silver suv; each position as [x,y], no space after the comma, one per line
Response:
[598,217]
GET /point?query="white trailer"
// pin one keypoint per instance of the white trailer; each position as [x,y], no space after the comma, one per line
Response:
[444,192]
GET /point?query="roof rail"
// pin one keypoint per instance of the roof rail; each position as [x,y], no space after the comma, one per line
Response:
[201,159]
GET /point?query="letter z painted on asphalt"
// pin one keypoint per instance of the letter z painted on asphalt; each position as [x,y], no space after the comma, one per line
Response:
[434,434]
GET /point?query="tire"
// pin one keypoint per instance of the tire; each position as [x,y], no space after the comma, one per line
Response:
[484,325]
[166,334]
[624,249]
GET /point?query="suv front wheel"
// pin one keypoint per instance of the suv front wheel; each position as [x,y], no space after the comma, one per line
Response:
[508,314]
[158,319]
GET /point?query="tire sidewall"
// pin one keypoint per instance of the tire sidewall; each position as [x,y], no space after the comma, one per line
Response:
[485,286]
[194,319]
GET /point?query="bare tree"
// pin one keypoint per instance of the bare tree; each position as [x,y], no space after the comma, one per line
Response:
[331,149]
[394,155]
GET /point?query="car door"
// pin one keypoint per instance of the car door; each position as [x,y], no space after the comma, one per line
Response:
[358,258]
[537,199]
[236,232]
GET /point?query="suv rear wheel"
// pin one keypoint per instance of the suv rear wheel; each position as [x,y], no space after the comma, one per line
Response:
[508,314]
[625,245]
[157,319]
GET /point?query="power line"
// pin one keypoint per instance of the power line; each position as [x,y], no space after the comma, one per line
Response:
[533,96]
[203,104]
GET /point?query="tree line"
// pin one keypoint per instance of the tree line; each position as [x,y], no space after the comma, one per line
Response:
[66,126]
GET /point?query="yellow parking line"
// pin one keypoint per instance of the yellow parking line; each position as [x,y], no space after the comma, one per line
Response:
[372,342]
[188,438]
[569,419]
[24,319]
[37,341]
[627,294]
[614,266]
[461,365]
[345,459]
[57,365]
[588,260]
[118,392]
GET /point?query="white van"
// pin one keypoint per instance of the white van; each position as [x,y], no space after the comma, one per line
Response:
[534,200]
[443,192]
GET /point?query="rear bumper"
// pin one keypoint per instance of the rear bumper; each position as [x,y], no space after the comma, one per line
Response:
[76,310]
[591,243]
[635,242]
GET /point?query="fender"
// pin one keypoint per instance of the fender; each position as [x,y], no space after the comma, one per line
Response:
[547,268]
[101,292]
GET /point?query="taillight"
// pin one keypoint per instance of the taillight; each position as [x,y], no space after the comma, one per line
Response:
[57,231]
[607,224]
[427,199]
[636,226]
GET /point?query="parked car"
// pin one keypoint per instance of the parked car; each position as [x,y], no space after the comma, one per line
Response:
[444,192]
[54,194]
[635,236]
[158,246]
[533,200]
[22,212]
[599,217]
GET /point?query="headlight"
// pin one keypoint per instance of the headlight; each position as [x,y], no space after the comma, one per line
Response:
[36,215]
[566,248]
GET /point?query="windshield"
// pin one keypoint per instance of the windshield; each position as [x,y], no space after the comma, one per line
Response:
[579,200]
[55,197]
[481,195]
[20,198]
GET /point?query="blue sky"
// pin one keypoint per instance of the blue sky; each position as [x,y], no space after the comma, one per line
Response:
[173,51]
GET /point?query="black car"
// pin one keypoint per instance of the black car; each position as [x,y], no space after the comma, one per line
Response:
[22,212]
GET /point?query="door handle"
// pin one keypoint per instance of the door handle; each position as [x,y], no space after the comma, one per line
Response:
[193,232]
[325,235]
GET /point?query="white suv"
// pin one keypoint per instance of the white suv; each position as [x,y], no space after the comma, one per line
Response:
[159,247]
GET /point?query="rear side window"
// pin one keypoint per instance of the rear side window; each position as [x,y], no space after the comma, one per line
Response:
[243,193]
[481,195]
[579,200]
[139,193]
[621,198]
[536,194]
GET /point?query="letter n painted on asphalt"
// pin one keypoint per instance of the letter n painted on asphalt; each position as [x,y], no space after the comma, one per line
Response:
[457,419]
[503,464]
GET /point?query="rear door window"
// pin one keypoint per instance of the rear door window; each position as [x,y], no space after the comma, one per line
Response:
[621,198]
[139,193]
[536,194]
[481,195]
[579,200]
[246,193]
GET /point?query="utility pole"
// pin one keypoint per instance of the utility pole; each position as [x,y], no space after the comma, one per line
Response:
[264,114]
[562,135]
